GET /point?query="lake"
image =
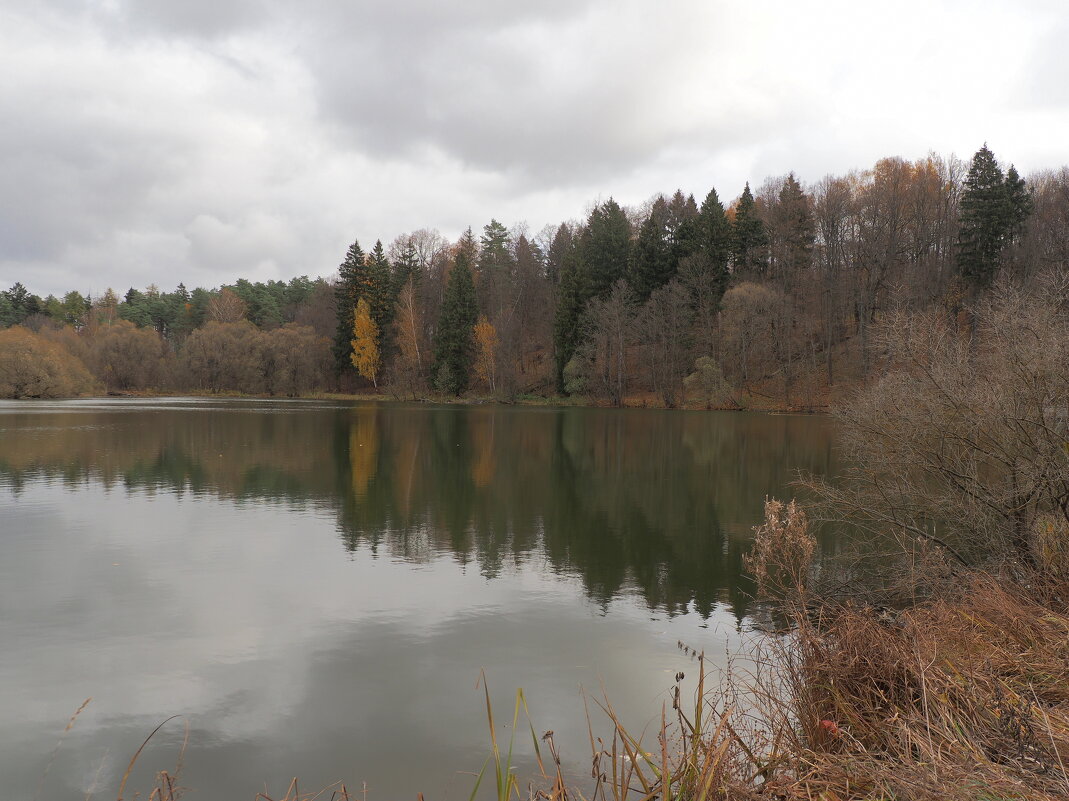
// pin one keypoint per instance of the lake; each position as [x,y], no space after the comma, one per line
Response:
[315,586]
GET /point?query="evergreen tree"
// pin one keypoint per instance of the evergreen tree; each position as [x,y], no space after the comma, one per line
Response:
[494,268]
[559,250]
[407,265]
[1020,202]
[796,226]
[381,295]
[749,237]
[652,263]
[353,281]
[454,345]
[604,248]
[987,219]
[713,239]
[566,320]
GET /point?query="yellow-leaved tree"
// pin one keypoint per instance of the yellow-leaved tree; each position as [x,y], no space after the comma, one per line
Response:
[486,352]
[365,343]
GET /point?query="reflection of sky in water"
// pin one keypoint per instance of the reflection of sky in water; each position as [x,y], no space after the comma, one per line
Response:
[292,650]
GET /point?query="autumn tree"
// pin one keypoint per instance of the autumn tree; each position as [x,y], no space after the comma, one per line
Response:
[407,367]
[126,357]
[296,359]
[454,339]
[225,307]
[365,343]
[664,324]
[33,367]
[224,356]
[608,330]
[486,344]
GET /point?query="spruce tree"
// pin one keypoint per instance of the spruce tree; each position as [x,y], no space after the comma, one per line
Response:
[749,237]
[985,219]
[570,297]
[454,341]
[353,280]
[604,248]
[713,239]
[1020,202]
[559,250]
[651,258]
[381,295]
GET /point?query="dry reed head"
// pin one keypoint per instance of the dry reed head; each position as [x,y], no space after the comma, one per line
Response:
[782,551]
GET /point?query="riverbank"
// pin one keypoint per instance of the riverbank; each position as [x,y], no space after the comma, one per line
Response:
[756,404]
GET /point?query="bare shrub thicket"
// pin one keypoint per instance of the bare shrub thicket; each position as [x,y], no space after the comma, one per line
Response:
[961,444]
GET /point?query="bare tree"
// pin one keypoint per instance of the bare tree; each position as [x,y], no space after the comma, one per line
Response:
[962,442]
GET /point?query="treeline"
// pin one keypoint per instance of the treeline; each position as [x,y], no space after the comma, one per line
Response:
[769,299]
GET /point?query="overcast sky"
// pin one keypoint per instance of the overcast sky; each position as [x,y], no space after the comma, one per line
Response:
[158,141]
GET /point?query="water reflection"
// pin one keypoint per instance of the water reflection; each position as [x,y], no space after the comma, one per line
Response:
[316,586]
[658,501]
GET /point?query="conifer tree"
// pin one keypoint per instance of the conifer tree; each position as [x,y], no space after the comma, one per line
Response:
[570,295]
[381,296]
[713,239]
[985,219]
[749,237]
[604,248]
[454,344]
[365,343]
[353,281]
[651,258]
[1020,202]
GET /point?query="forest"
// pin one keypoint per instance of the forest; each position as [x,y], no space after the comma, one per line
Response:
[770,300]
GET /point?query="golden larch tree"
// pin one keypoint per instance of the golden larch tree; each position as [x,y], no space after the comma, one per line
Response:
[365,343]
[486,352]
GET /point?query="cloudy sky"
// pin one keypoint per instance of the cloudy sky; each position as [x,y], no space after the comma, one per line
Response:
[158,141]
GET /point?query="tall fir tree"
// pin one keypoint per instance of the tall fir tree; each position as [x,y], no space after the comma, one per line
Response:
[987,219]
[566,319]
[1021,204]
[797,228]
[454,340]
[749,237]
[652,262]
[713,237]
[381,295]
[353,283]
[604,248]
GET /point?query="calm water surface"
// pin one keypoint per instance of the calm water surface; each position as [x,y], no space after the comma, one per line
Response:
[315,587]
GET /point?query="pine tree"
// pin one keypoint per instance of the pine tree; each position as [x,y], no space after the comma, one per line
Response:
[651,257]
[1020,202]
[570,295]
[353,281]
[559,250]
[713,239]
[454,345]
[749,237]
[604,248]
[381,296]
[985,219]
[796,226]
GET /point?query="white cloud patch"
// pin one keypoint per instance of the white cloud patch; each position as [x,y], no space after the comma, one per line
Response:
[151,142]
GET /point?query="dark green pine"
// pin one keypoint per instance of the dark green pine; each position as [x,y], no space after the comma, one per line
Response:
[353,279]
[454,341]
[749,237]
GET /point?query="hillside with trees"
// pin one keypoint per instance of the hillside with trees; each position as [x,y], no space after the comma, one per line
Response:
[768,301]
